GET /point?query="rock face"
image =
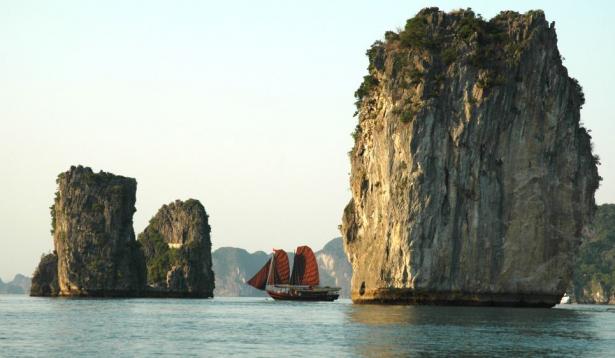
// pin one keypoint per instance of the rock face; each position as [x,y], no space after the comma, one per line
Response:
[472,180]
[334,268]
[594,274]
[177,249]
[45,278]
[97,254]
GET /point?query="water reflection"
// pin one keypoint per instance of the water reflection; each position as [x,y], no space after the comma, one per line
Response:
[403,330]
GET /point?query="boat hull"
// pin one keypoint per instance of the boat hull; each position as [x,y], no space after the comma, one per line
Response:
[304,295]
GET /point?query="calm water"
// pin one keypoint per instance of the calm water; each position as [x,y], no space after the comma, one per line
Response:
[262,327]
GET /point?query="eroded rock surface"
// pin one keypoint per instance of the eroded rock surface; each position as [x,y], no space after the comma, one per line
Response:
[472,180]
[45,278]
[177,249]
[93,235]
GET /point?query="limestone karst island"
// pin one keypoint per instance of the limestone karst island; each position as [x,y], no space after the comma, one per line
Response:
[96,253]
[472,182]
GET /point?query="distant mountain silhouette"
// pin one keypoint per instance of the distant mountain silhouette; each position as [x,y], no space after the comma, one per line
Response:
[232,268]
[335,270]
[19,285]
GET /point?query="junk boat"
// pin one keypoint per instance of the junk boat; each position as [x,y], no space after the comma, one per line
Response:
[303,283]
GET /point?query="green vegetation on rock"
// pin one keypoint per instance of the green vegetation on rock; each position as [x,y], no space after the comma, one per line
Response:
[437,42]
[416,33]
[160,257]
[369,82]
[594,276]
[406,116]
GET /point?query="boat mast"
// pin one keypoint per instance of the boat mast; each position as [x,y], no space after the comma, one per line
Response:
[293,275]
[271,266]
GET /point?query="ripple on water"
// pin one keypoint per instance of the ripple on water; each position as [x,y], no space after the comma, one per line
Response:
[263,327]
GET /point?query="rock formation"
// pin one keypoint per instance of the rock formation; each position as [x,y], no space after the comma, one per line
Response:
[594,274]
[177,249]
[45,278]
[97,253]
[472,180]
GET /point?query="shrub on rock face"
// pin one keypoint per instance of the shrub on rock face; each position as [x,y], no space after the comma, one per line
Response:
[415,33]
[160,258]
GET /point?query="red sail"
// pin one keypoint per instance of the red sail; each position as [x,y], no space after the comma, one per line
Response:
[281,271]
[305,268]
[260,279]
[281,268]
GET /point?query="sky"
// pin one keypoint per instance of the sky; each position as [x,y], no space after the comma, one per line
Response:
[244,105]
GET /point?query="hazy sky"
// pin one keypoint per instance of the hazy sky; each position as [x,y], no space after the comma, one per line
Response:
[246,106]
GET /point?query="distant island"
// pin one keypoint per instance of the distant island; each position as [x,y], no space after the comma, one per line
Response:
[19,285]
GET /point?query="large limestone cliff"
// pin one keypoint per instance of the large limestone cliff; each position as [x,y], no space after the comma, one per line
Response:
[93,236]
[177,248]
[472,180]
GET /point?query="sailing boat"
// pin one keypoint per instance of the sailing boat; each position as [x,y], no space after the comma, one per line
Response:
[303,283]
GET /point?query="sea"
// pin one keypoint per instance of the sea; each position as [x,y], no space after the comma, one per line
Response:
[261,327]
